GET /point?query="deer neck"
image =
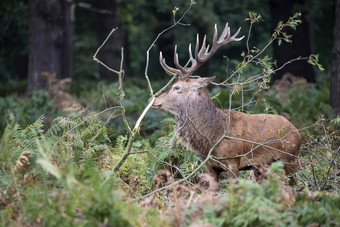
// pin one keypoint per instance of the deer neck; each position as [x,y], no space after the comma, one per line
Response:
[200,124]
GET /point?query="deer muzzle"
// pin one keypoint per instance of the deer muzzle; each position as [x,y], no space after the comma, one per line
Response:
[155,105]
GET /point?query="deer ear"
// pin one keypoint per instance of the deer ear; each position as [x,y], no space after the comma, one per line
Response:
[203,82]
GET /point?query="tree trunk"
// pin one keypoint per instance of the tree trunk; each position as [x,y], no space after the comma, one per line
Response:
[301,45]
[106,19]
[50,42]
[334,94]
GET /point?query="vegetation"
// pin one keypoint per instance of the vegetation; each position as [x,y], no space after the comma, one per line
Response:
[57,164]
[51,175]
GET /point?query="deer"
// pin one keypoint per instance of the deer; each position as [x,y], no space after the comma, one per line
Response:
[231,140]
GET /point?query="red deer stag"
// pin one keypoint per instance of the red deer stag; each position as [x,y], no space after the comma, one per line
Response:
[239,141]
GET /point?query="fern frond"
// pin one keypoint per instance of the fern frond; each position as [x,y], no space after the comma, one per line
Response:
[121,142]
[336,121]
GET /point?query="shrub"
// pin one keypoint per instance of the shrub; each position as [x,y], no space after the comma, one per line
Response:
[60,180]
[270,203]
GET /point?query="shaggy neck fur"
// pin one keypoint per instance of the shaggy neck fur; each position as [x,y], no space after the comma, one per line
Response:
[200,125]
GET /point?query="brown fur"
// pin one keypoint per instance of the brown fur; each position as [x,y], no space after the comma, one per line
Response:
[248,141]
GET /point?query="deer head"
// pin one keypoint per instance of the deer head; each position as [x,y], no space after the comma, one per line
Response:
[182,92]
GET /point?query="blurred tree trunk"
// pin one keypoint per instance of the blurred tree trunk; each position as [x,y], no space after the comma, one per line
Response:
[50,42]
[107,18]
[302,40]
[334,94]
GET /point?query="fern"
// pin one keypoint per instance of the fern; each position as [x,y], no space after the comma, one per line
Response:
[83,137]
[336,121]
[56,127]
[168,149]
[20,140]
[121,142]
[5,144]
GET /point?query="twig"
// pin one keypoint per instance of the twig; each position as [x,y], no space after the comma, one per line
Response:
[153,44]
[100,47]
[140,152]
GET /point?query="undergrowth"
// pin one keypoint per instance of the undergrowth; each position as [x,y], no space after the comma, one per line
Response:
[58,171]
[26,109]
[270,203]
[54,178]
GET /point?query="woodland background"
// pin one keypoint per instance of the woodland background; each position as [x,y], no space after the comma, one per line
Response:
[61,125]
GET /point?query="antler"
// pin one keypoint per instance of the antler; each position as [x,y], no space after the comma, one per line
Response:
[201,55]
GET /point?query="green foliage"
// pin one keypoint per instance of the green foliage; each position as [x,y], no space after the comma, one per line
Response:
[135,164]
[314,60]
[164,153]
[12,87]
[336,121]
[168,149]
[26,109]
[97,203]
[86,143]
[69,177]
[269,203]
[102,95]
[63,182]
[304,101]
[249,204]
[320,208]
[16,140]
[292,23]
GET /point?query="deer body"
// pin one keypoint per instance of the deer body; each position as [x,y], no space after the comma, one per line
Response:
[241,141]
[235,141]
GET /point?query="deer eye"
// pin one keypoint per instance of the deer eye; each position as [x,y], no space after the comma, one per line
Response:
[176,88]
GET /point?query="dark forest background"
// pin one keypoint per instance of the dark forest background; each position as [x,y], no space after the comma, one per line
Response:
[59,37]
